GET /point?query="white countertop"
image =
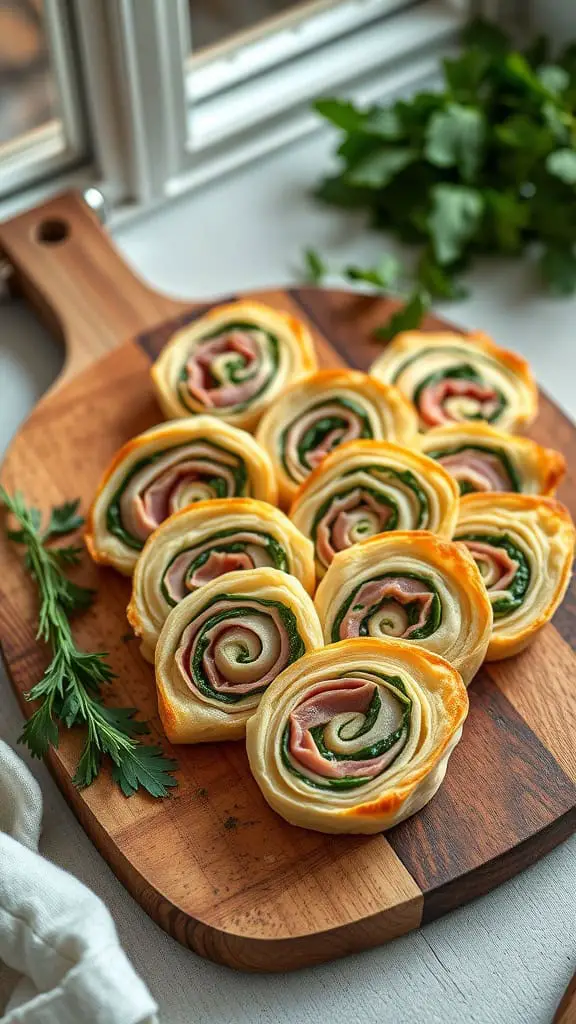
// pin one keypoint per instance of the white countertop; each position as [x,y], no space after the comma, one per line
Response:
[504,959]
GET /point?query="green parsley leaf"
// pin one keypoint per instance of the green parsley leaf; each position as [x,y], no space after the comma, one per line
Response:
[455,138]
[480,167]
[384,275]
[64,519]
[437,280]
[383,124]
[406,319]
[378,168]
[336,191]
[456,214]
[558,121]
[315,268]
[465,74]
[341,113]
[562,164]
[554,78]
[146,767]
[507,216]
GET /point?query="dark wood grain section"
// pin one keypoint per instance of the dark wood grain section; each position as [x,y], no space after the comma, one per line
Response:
[565,618]
[348,321]
[153,341]
[458,846]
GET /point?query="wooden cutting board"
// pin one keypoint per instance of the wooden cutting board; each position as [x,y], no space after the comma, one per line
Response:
[212,864]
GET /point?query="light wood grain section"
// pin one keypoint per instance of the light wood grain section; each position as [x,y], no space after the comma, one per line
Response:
[69,270]
[566,1012]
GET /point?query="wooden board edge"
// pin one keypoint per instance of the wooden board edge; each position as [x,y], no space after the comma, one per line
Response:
[482,880]
[237,951]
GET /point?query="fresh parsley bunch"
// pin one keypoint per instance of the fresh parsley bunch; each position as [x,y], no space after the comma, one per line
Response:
[487,165]
[70,689]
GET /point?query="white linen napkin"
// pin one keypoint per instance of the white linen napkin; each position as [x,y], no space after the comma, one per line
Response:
[54,930]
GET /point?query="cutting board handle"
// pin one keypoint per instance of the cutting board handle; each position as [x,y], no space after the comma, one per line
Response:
[566,1012]
[67,267]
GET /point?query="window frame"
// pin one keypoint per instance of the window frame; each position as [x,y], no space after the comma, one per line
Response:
[126,95]
[62,141]
[170,155]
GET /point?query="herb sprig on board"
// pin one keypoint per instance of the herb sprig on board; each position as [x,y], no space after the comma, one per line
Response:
[70,689]
[486,165]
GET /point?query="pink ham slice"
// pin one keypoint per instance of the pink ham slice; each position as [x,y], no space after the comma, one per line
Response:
[153,493]
[200,381]
[219,562]
[400,589]
[502,566]
[349,432]
[333,532]
[326,700]
[484,472]
[432,399]
[268,665]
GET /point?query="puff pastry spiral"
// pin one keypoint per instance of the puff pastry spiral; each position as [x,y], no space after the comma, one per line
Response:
[454,378]
[203,542]
[369,487]
[356,737]
[163,470]
[411,586]
[524,547]
[483,458]
[326,409]
[222,646]
[232,363]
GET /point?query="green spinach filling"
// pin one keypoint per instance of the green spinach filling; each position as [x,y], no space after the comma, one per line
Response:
[296,646]
[236,367]
[318,431]
[378,472]
[275,551]
[463,372]
[366,753]
[465,486]
[411,608]
[217,484]
[517,590]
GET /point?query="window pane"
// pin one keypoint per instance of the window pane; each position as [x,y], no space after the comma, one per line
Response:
[28,93]
[217,21]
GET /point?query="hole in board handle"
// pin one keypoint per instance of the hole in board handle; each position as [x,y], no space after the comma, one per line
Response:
[51,232]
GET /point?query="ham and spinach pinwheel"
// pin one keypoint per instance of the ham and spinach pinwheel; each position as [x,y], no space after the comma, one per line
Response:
[369,487]
[356,737]
[326,409]
[524,546]
[223,645]
[203,542]
[232,363]
[162,471]
[409,586]
[483,458]
[457,378]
